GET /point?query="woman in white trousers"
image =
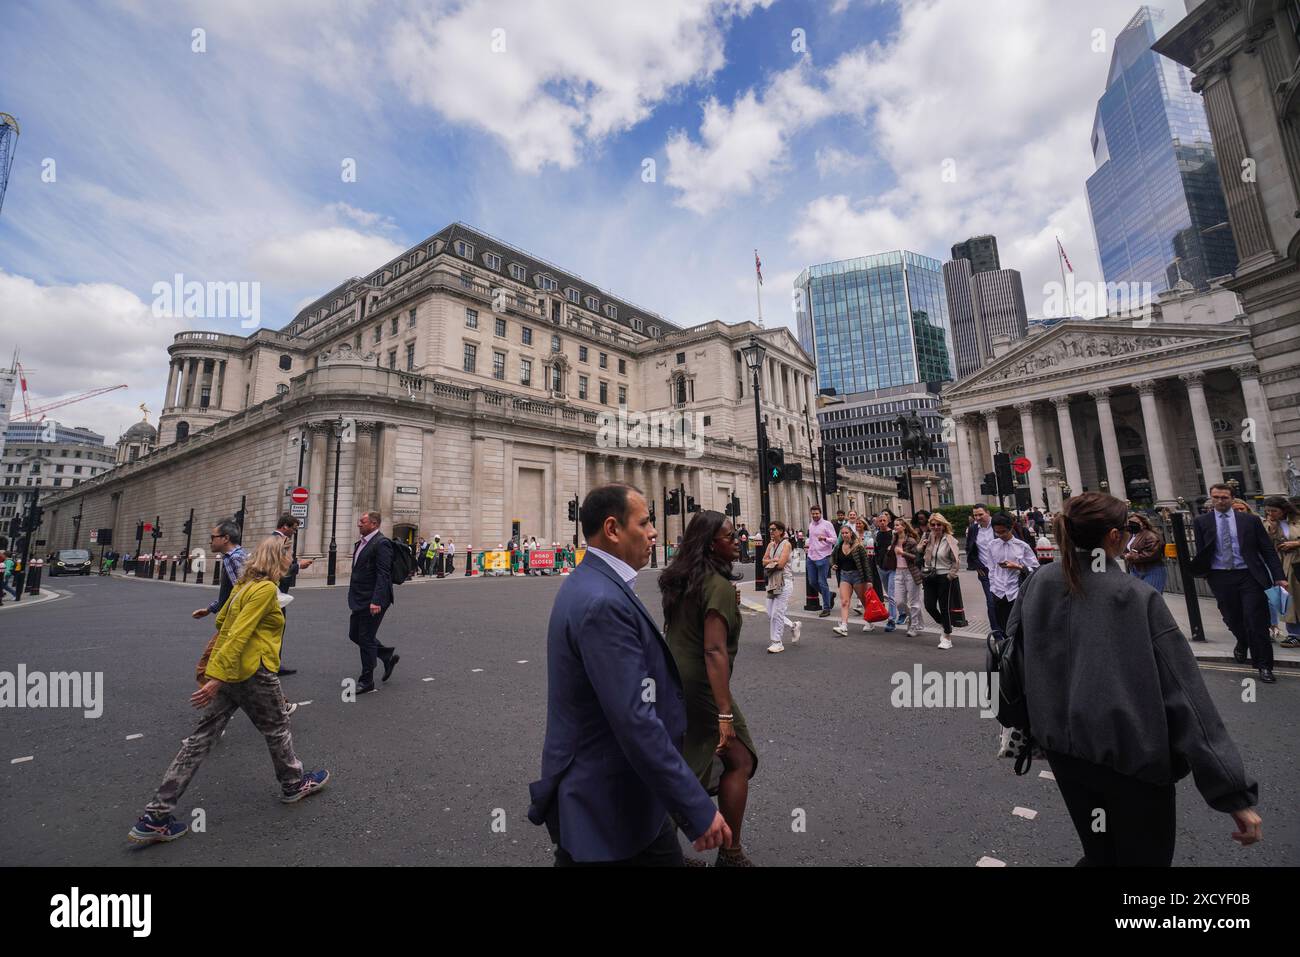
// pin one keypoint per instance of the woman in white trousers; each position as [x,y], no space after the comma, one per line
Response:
[907,579]
[777,557]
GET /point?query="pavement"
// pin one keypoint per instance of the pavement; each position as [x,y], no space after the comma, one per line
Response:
[1217,646]
[434,769]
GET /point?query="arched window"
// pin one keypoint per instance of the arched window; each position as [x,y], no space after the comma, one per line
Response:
[182,431]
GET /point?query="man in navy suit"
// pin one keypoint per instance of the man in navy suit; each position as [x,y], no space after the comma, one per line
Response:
[613,777]
[370,592]
[1233,552]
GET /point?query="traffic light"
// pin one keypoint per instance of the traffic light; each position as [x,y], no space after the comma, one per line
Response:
[1022,498]
[1006,479]
[188,527]
[831,480]
[139,531]
[15,526]
[674,505]
[157,531]
[652,514]
[573,509]
[904,493]
[793,472]
[734,507]
[775,465]
[34,517]
[691,507]
[987,487]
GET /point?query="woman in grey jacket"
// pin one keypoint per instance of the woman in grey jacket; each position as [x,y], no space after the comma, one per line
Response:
[1116,699]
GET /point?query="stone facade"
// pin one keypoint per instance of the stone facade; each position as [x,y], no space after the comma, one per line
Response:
[381,388]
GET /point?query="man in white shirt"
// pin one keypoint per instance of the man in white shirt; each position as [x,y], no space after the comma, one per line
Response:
[1008,557]
[979,539]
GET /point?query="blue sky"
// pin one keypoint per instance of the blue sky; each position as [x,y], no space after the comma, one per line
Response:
[225,165]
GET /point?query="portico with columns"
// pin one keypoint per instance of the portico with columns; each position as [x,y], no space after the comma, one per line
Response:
[1149,413]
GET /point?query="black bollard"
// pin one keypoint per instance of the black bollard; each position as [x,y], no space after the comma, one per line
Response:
[173,575]
[1189,580]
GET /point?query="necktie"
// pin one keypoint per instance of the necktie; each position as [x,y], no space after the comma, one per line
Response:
[1225,541]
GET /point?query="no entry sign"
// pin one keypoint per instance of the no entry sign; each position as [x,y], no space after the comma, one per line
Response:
[298,496]
[1021,465]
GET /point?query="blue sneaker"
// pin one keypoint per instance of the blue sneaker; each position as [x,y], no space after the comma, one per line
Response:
[150,829]
[902,619]
[312,781]
[889,625]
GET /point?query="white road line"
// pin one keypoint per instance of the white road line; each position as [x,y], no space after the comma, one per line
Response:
[990,862]
[426,679]
[475,670]
[132,737]
[1047,774]
[522,661]
[301,703]
[1027,813]
[30,757]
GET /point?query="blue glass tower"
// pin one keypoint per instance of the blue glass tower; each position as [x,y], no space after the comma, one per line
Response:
[1156,201]
[876,322]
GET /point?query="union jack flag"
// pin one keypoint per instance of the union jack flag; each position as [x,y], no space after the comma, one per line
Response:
[758,267]
[1061,250]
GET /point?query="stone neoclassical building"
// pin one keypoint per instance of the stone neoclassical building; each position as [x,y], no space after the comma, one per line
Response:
[458,389]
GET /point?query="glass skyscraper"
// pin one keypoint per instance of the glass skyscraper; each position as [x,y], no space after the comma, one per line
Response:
[1156,201]
[876,322]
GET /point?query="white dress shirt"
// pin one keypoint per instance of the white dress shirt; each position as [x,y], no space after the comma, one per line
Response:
[1005,582]
[625,571]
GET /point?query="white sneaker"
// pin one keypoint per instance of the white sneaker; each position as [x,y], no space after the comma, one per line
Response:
[944,643]
[293,706]
[841,630]
[797,628]
[868,626]
[911,632]
[775,648]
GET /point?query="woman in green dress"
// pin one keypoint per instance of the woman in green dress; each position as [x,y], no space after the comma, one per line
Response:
[702,625]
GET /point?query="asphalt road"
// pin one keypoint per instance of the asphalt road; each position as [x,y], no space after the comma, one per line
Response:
[423,769]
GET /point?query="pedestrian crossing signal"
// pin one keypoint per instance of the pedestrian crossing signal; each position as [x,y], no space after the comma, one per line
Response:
[674,504]
[775,465]
[573,509]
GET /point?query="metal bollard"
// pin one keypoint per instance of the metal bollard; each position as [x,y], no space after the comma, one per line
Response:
[175,562]
[469,561]
[198,578]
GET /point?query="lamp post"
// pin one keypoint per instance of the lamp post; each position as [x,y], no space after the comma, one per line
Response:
[929,496]
[332,566]
[754,353]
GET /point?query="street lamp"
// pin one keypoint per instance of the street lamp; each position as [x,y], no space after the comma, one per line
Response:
[1066,492]
[754,353]
[332,566]
[929,498]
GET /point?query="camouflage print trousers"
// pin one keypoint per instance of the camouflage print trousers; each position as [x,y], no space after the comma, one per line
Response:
[262,700]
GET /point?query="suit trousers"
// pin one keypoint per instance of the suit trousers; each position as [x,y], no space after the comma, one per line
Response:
[363,631]
[1244,607]
[1137,829]
[991,606]
[663,851]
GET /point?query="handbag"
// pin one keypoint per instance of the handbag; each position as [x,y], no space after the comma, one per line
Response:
[775,581]
[797,564]
[873,609]
[1006,667]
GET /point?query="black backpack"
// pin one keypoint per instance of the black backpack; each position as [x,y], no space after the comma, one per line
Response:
[403,562]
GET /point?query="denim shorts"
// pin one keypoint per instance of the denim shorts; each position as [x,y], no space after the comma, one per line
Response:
[851,577]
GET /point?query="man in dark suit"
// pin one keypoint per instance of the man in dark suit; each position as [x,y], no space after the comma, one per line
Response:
[370,592]
[613,776]
[1234,554]
[979,541]
[286,527]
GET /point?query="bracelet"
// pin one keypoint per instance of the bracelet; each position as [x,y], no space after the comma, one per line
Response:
[726,717]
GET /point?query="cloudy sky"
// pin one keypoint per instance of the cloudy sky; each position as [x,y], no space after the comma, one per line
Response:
[648,145]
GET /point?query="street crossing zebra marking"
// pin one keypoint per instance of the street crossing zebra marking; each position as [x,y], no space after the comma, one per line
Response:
[132,737]
[522,661]
[301,703]
[30,757]
[1047,774]
[1027,813]
[426,679]
[990,862]
[476,670]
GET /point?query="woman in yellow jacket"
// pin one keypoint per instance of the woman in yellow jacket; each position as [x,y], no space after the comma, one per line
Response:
[238,670]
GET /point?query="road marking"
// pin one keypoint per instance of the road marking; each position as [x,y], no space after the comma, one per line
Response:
[475,670]
[1047,774]
[522,661]
[132,737]
[30,757]
[308,701]
[1027,813]
[990,862]
[426,679]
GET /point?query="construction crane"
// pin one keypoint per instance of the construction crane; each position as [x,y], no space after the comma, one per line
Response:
[40,410]
[8,143]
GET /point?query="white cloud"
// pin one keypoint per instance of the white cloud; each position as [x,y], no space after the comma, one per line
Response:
[832,161]
[566,75]
[321,258]
[75,338]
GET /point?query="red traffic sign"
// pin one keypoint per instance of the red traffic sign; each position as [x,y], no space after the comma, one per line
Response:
[298,496]
[1022,465]
[148,527]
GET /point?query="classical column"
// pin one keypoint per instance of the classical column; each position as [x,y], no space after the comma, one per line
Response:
[1073,474]
[965,471]
[1110,443]
[995,436]
[386,484]
[363,474]
[1161,481]
[1035,475]
[220,390]
[428,463]
[1245,208]
[1270,469]
[1211,470]
[320,451]
[171,386]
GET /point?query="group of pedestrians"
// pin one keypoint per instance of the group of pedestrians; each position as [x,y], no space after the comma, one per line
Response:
[434,558]
[241,667]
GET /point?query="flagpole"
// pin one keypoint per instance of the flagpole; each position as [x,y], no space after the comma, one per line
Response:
[1060,261]
[758,288]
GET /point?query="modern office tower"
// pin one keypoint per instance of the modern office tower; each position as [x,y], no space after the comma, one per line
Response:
[1156,201]
[980,251]
[876,322]
[981,306]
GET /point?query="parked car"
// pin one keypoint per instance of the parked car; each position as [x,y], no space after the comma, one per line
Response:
[70,561]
